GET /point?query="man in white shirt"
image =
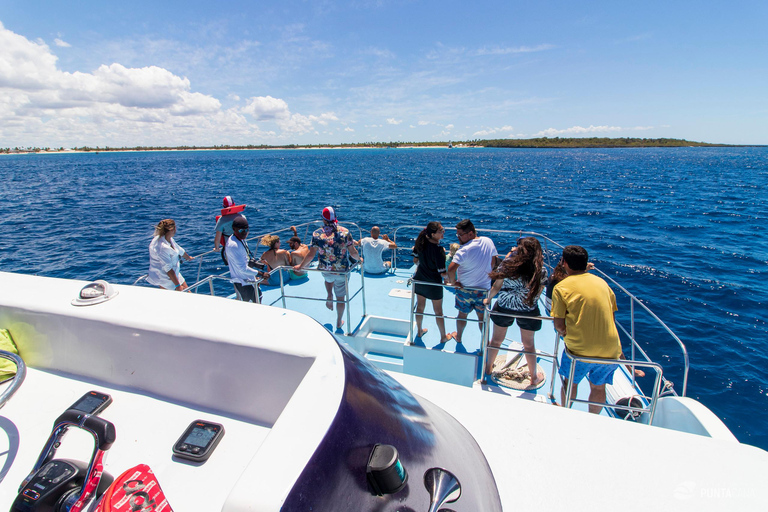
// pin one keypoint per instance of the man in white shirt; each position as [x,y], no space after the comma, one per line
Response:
[245,278]
[373,247]
[469,269]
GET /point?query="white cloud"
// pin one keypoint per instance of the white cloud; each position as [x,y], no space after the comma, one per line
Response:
[449,127]
[348,129]
[394,121]
[61,43]
[378,52]
[424,123]
[580,130]
[267,108]
[122,106]
[501,50]
[485,132]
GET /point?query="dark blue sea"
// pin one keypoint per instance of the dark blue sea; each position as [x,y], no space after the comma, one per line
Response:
[684,229]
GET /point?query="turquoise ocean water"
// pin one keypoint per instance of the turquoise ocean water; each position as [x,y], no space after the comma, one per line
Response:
[682,228]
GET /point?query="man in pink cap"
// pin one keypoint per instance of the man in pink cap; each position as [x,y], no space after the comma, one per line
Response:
[333,245]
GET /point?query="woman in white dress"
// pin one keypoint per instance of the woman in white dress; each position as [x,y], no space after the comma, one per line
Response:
[165,258]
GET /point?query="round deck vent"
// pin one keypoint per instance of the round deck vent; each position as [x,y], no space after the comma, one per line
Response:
[94,293]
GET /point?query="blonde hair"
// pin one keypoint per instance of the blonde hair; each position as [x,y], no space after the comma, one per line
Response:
[454,248]
[164,226]
[270,241]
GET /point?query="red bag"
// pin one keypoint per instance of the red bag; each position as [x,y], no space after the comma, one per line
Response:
[136,490]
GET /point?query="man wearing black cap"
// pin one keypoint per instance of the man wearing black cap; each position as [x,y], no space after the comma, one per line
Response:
[245,278]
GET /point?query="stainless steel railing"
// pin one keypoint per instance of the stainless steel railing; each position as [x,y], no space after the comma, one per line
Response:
[550,249]
[652,400]
[413,282]
[355,267]
[485,346]
[17,380]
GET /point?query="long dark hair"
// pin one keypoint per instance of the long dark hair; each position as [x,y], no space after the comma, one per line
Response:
[558,274]
[426,233]
[527,262]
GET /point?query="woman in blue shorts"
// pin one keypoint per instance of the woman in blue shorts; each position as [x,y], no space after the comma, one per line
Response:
[518,282]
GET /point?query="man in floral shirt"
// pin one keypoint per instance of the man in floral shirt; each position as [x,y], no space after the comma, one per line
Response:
[333,245]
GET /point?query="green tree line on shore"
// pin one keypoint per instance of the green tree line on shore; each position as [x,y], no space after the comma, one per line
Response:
[540,142]
[592,142]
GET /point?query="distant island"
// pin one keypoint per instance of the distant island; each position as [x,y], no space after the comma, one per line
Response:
[541,142]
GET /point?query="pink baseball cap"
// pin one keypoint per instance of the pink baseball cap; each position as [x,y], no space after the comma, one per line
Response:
[229,206]
[329,215]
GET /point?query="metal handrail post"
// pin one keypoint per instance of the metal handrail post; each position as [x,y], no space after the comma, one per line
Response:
[626,362]
[410,324]
[346,301]
[18,379]
[282,288]
[555,366]
[571,374]
[632,319]
[484,341]
[362,287]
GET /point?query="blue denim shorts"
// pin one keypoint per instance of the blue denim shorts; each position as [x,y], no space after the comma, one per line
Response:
[596,373]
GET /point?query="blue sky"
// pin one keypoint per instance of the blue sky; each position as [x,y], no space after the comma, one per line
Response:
[307,72]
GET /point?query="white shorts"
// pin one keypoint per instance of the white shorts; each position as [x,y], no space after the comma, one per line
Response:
[339,283]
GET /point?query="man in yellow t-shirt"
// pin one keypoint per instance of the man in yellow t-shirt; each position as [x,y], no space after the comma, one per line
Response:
[583,306]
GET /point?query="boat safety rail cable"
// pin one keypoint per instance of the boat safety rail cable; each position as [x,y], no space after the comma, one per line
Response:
[485,345]
[17,380]
[413,282]
[143,278]
[256,238]
[355,267]
[569,400]
[631,332]
[633,300]
[481,232]
[209,281]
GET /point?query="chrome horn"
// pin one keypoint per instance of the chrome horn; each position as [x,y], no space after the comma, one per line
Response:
[443,487]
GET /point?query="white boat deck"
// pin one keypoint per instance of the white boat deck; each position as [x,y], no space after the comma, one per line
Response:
[548,458]
[167,360]
[274,379]
[386,343]
[147,428]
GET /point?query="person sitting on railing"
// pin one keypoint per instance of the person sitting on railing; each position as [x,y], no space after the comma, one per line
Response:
[165,258]
[275,257]
[470,268]
[519,281]
[431,268]
[244,272]
[372,248]
[583,307]
[333,245]
[299,251]
[229,212]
